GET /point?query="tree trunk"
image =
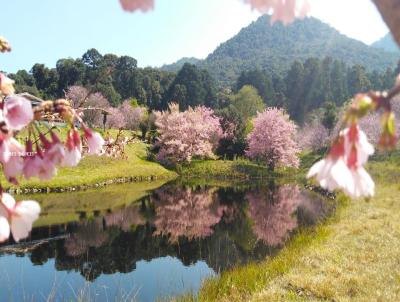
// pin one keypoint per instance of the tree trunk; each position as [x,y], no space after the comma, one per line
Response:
[390,11]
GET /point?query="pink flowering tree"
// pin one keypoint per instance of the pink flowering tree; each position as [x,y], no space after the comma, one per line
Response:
[274,214]
[41,155]
[115,119]
[312,136]
[133,115]
[186,135]
[88,104]
[272,139]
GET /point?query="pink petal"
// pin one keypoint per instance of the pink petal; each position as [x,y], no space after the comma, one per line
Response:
[17,112]
[4,229]
[26,212]
[132,5]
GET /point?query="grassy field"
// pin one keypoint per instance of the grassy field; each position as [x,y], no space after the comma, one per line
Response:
[228,169]
[95,169]
[354,256]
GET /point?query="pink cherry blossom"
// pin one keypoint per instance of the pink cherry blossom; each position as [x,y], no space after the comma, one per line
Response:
[343,167]
[332,173]
[133,5]
[55,152]
[185,135]
[4,150]
[31,166]
[94,140]
[73,149]
[17,217]
[17,112]
[312,136]
[364,148]
[13,167]
[44,169]
[6,85]
[363,184]
[272,139]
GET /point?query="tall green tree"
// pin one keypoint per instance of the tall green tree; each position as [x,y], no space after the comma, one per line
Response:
[358,80]
[330,116]
[261,81]
[295,91]
[192,87]
[247,102]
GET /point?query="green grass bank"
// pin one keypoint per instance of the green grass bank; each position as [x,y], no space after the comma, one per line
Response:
[353,256]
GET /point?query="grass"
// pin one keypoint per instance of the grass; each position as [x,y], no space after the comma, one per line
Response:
[228,169]
[354,256]
[95,169]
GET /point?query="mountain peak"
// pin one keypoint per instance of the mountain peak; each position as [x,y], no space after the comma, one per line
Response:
[274,47]
[387,43]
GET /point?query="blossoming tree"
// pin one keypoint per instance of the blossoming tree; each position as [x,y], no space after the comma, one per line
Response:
[272,139]
[184,135]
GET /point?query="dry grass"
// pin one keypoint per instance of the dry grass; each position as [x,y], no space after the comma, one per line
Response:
[359,261]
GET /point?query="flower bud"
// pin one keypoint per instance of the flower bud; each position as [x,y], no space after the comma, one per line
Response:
[4,45]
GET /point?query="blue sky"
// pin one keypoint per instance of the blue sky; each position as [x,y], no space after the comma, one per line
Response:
[45,30]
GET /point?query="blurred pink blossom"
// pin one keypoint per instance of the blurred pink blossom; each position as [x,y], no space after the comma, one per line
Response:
[17,112]
[17,217]
[282,10]
[133,5]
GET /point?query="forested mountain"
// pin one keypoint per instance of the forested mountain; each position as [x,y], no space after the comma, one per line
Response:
[387,43]
[274,48]
[174,67]
[300,67]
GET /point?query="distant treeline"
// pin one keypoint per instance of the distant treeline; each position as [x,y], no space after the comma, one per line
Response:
[306,86]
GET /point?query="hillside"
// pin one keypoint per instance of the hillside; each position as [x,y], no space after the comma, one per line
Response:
[175,67]
[387,43]
[275,47]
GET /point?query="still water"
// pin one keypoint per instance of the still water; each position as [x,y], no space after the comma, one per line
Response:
[135,242]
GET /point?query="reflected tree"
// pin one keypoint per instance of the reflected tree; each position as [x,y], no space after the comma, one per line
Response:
[273,213]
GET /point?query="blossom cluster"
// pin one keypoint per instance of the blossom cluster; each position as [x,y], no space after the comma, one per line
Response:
[343,168]
[282,10]
[115,147]
[184,135]
[40,156]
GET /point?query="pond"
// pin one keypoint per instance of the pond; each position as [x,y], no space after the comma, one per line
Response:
[151,241]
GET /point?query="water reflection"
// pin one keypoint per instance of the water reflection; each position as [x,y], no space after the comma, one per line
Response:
[214,228]
[186,212]
[273,213]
